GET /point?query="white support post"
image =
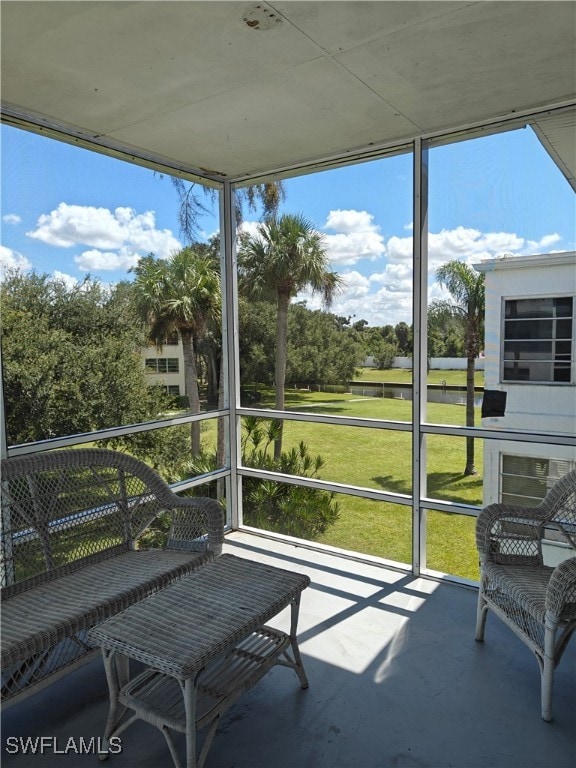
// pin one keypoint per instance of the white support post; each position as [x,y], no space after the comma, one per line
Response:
[230,353]
[419,362]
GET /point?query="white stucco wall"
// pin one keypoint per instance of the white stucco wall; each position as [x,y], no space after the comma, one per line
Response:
[530,406]
[166,379]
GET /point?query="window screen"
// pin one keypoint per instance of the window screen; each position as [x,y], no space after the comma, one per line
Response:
[525,480]
[538,342]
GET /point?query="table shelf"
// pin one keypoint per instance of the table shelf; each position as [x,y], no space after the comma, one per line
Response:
[204,642]
[154,695]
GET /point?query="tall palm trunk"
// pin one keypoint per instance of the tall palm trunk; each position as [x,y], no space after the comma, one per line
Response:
[281,355]
[191,384]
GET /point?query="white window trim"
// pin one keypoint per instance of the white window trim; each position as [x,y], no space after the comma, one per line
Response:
[519,382]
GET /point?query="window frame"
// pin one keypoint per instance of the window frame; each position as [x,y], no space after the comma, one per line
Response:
[552,362]
[162,365]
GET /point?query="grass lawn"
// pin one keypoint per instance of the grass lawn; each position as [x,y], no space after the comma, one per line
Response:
[381,459]
[404,376]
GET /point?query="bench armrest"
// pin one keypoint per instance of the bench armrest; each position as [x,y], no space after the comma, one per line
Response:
[561,592]
[197,525]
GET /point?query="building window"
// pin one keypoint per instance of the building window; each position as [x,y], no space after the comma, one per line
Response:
[525,480]
[173,389]
[538,342]
[162,365]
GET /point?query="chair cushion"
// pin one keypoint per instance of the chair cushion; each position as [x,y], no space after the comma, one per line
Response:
[525,585]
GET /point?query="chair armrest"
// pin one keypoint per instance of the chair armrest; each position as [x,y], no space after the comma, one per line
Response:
[561,592]
[197,525]
[510,534]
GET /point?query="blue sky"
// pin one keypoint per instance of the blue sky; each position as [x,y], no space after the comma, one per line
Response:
[69,212]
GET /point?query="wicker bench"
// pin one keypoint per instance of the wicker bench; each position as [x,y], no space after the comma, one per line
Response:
[70,521]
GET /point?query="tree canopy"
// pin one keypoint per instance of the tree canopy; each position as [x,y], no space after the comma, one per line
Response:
[71,358]
[320,348]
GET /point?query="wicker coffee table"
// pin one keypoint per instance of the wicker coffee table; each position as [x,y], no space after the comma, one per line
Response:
[203,642]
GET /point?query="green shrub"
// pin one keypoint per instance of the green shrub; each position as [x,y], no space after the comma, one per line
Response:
[281,507]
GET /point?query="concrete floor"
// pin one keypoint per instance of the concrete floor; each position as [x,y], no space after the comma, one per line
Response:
[396,681]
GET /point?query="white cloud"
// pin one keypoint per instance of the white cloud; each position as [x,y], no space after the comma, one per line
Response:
[357,237]
[467,244]
[385,296]
[399,249]
[537,246]
[249,228]
[470,245]
[348,249]
[354,290]
[12,218]
[107,260]
[390,307]
[355,284]
[70,225]
[396,277]
[381,307]
[10,259]
[350,221]
[117,238]
[62,277]
[358,298]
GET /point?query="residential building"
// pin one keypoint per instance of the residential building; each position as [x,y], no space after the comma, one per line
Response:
[530,356]
[164,366]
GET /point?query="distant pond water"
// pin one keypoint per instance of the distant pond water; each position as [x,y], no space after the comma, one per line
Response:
[449,394]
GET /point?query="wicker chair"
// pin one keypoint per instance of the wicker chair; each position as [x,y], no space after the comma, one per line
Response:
[536,601]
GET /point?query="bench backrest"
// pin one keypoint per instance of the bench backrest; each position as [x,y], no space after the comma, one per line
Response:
[559,507]
[62,509]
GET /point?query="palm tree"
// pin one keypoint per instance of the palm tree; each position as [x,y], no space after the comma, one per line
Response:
[269,194]
[467,289]
[285,256]
[180,294]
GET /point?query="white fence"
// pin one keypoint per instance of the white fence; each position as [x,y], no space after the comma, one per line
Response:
[436,363]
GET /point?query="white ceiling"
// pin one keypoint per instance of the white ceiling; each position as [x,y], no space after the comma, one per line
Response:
[240,89]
